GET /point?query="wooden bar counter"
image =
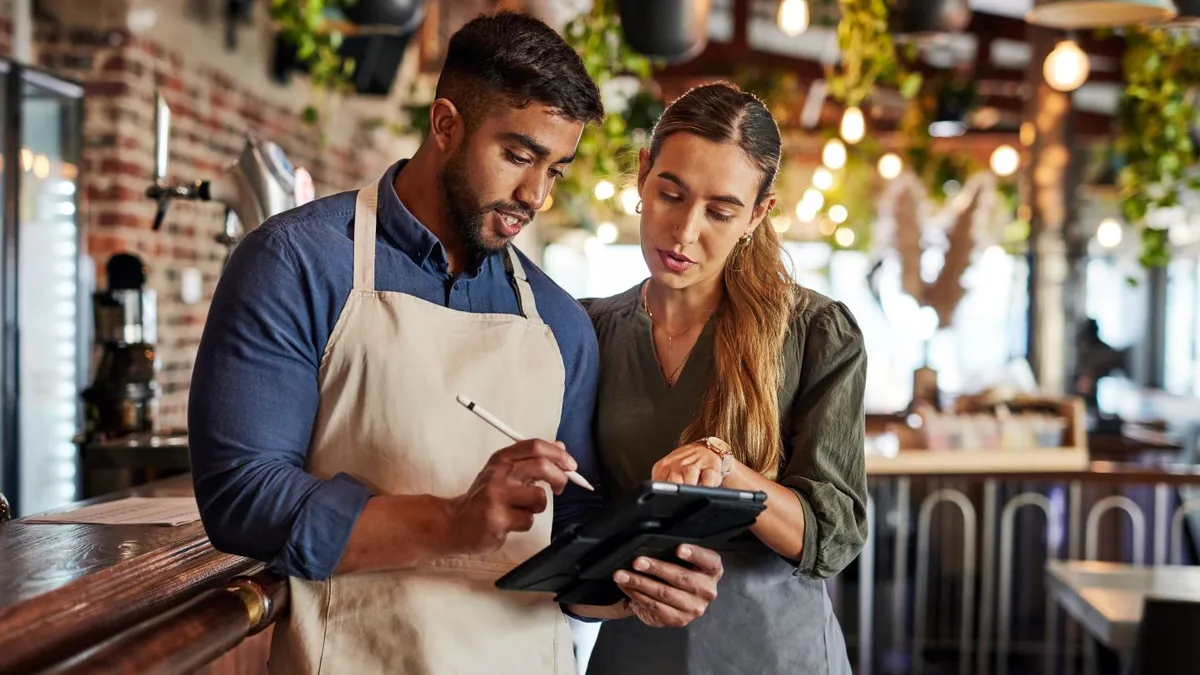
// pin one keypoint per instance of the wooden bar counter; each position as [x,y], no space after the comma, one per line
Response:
[66,588]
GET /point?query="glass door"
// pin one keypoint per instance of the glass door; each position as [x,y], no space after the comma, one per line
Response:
[49,292]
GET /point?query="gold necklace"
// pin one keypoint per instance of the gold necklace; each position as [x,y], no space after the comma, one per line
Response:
[670,377]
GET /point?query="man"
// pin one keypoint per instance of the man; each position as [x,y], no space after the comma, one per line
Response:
[325,434]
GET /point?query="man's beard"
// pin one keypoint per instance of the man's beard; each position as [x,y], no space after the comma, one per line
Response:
[466,212]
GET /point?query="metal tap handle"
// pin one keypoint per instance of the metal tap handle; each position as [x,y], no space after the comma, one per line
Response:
[164,193]
[5,511]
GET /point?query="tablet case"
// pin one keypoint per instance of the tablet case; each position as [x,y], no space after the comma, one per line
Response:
[651,520]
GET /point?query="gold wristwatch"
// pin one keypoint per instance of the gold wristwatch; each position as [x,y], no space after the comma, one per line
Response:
[723,450]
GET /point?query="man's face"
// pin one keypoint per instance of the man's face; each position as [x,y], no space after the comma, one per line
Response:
[500,175]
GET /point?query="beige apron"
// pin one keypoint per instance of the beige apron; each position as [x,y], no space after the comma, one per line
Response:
[388,416]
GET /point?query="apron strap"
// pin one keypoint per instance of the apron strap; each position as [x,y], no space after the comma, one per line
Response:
[525,303]
[364,237]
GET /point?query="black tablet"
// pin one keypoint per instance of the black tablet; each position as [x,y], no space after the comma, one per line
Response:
[651,520]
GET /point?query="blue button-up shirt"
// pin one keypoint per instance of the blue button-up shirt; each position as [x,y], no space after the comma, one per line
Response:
[254,390]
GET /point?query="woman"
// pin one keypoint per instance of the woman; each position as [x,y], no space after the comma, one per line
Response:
[720,344]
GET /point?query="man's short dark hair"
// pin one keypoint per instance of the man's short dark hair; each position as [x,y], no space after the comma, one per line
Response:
[515,59]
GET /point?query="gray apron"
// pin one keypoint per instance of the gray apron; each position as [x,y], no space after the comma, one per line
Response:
[765,621]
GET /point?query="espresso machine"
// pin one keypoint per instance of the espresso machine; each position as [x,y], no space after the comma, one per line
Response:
[123,395]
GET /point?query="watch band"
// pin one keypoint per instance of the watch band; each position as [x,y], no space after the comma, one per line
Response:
[724,451]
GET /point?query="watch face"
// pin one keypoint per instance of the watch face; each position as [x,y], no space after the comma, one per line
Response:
[719,444]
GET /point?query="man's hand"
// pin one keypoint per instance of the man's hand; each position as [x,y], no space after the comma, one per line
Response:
[693,464]
[505,497]
[664,595]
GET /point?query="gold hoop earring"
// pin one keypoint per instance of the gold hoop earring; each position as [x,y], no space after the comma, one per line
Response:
[638,208]
[745,238]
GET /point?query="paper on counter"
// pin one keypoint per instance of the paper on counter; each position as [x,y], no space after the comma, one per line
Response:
[129,511]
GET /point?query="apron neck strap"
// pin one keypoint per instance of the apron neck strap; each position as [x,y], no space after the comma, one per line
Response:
[525,303]
[364,237]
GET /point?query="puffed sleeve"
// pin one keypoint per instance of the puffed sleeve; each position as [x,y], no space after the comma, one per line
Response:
[827,467]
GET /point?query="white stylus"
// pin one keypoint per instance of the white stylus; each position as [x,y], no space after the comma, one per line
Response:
[517,438]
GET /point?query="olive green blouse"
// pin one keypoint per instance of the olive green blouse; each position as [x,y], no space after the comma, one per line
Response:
[639,418]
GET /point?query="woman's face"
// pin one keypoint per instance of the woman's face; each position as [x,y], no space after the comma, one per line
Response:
[697,202]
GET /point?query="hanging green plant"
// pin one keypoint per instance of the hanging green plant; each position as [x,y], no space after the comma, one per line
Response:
[607,150]
[305,26]
[1155,114]
[869,54]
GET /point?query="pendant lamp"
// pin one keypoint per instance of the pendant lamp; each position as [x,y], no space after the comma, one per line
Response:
[927,18]
[1083,14]
[1189,12]
[671,31]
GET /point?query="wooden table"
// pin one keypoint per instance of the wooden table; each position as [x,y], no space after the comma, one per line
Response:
[63,587]
[1106,598]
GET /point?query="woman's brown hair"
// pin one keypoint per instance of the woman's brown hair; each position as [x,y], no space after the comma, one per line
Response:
[741,405]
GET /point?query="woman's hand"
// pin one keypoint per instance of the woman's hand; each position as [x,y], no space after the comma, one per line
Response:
[693,464]
[665,595]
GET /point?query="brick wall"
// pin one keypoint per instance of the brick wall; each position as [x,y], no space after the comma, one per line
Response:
[212,106]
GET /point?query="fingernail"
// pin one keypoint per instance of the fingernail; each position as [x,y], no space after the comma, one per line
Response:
[641,564]
[685,551]
[621,577]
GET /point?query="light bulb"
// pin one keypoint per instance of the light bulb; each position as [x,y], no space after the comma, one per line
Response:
[810,203]
[844,237]
[792,17]
[1066,68]
[1005,161]
[822,179]
[838,214]
[605,190]
[629,200]
[854,127]
[1108,234]
[607,233]
[812,199]
[781,224]
[548,204]
[890,166]
[834,154]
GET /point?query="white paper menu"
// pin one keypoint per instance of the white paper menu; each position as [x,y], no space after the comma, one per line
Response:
[129,511]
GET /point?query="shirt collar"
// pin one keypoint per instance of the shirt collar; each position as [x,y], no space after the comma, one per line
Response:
[401,227]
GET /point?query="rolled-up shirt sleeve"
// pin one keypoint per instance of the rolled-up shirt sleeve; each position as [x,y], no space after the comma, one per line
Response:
[827,467]
[251,409]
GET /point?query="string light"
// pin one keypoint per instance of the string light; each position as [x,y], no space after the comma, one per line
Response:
[890,166]
[822,179]
[1066,68]
[793,17]
[854,126]
[607,233]
[844,237]
[1108,234]
[1005,161]
[834,154]
[838,214]
[605,190]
